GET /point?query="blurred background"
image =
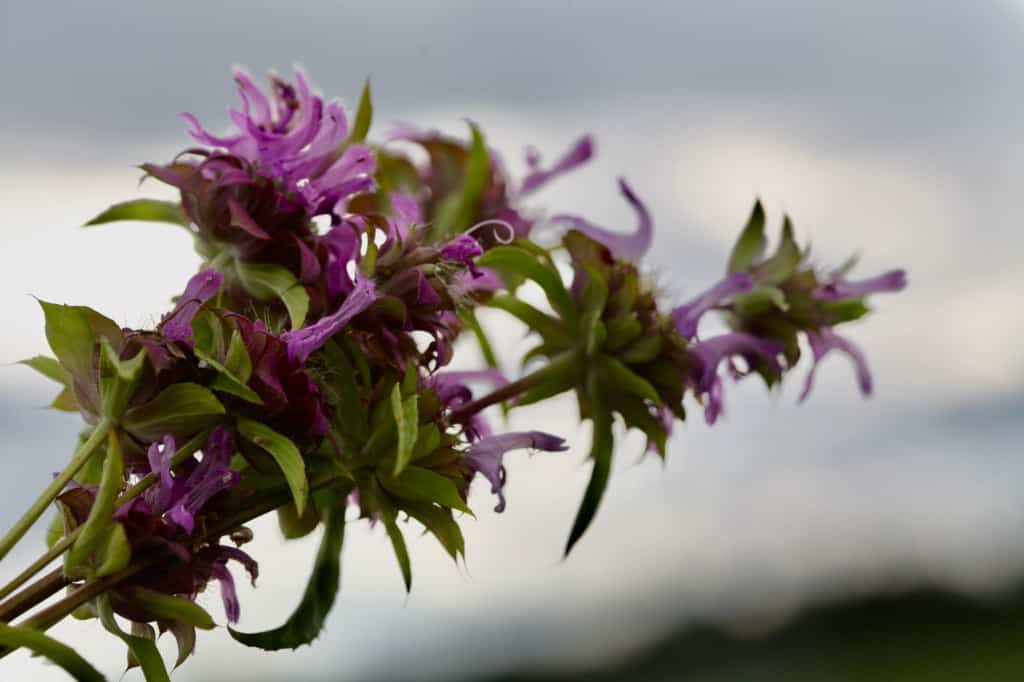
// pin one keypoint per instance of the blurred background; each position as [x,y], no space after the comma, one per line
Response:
[841,539]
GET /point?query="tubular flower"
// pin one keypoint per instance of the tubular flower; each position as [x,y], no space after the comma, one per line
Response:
[630,247]
[177,325]
[485,456]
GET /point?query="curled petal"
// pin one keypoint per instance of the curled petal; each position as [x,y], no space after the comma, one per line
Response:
[825,341]
[707,356]
[485,456]
[177,325]
[579,154]
[687,316]
[626,246]
[463,249]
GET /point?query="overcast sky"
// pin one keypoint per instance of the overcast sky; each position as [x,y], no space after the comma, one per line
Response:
[891,128]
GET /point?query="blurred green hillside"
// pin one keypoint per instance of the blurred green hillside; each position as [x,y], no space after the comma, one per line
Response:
[920,636]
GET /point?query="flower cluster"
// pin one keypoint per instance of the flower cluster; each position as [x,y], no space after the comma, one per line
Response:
[305,368]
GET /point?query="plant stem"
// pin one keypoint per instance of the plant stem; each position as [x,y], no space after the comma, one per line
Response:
[56,486]
[506,392]
[183,453]
[42,589]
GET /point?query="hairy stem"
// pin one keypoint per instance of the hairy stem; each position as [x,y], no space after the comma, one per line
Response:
[56,486]
[500,395]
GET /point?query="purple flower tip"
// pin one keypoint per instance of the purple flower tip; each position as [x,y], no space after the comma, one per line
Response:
[580,153]
[463,249]
[177,325]
[626,246]
[707,356]
[823,342]
[837,289]
[485,456]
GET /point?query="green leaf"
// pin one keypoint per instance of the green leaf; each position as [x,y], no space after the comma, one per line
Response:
[294,526]
[784,261]
[621,331]
[143,650]
[549,328]
[601,448]
[522,262]
[70,337]
[179,410]
[456,212]
[267,282]
[423,485]
[167,608]
[760,300]
[364,116]
[407,422]
[118,379]
[149,210]
[428,440]
[439,522]
[846,310]
[620,378]
[116,553]
[97,526]
[750,246]
[469,318]
[238,362]
[388,515]
[49,368]
[12,637]
[284,452]
[342,388]
[305,623]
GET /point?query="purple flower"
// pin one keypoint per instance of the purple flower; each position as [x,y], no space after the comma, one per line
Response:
[838,288]
[212,563]
[707,356]
[293,136]
[687,316]
[452,391]
[626,246]
[823,342]
[579,154]
[302,342]
[485,456]
[181,497]
[177,325]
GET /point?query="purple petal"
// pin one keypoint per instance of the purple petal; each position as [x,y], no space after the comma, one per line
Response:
[463,249]
[626,246]
[228,594]
[707,356]
[177,325]
[579,154]
[894,280]
[240,218]
[159,496]
[687,316]
[825,341]
[303,342]
[485,456]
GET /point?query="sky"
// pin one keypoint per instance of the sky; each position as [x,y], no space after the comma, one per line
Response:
[890,129]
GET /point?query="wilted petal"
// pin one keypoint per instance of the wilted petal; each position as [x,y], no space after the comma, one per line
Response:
[825,341]
[687,316]
[894,280]
[580,153]
[303,342]
[485,456]
[177,325]
[626,246]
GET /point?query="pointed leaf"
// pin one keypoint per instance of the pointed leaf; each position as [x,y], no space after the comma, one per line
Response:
[267,282]
[305,623]
[150,210]
[284,452]
[12,637]
[750,246]
[522,262]
[167,607]
[364,116]
[423,485]
[407,422]
[144,650]
[601,453]
[179,410]
[49,368]
[389,516]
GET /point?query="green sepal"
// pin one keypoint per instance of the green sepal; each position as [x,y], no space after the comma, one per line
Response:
[284,452]
[549,328]
[423,485]
[389,516]
[293,525]
[266,282]
[209,346]
[846,310]
[784,261]
[621,331]
[142,649]
[456,211]
[13,637]
[96,527]
[364,116]
[407,424]
[439,522]
[118,379]
[165,607]
[759,300]
[602,445]
[620,378]
[116,552]
[751,243]
[180,410]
